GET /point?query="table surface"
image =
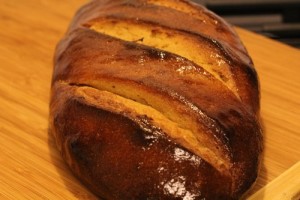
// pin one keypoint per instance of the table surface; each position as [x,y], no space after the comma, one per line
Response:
[30,165]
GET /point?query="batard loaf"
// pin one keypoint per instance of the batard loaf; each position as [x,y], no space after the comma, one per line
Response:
[156,99]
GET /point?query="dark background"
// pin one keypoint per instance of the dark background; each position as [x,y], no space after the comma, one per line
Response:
[277,19]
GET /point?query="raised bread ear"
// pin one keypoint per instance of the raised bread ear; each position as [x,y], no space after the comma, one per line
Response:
[128,157]
[205,54]
[157,104]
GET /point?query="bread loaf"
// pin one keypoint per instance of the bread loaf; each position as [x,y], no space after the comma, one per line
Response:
[156,99]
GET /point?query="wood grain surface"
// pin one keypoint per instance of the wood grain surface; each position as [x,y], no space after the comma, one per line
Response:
[30,165]
[284,187]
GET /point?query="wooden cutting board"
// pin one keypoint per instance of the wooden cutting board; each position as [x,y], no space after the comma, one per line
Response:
[30,165]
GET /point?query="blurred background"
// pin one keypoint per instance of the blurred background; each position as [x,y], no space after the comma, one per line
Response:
[276,19]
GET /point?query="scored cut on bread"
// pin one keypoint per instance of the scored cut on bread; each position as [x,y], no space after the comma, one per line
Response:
[156,99]
[180,43]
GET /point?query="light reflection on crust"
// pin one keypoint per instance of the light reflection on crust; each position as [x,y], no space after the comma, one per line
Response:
[176,187]
[181,155]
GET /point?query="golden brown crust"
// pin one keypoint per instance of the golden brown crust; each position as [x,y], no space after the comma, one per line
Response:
[137,122]
[120,160]
[209,26]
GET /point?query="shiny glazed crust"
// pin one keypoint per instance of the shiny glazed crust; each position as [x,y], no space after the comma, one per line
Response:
[156,99]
